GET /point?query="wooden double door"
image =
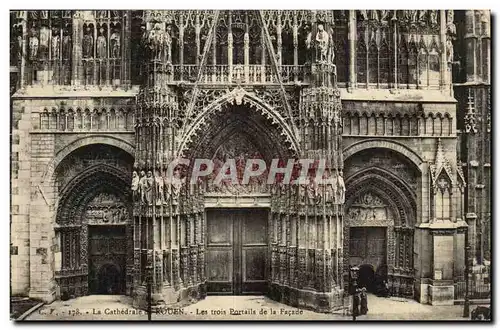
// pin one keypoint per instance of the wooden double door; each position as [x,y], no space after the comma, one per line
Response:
[107,258]
[237,251]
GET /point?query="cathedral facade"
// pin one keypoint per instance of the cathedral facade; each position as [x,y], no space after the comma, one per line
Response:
[396,102]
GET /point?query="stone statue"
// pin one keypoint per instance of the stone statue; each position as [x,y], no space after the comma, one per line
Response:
[56,44]
[450,26]
[143,187]
[33,43]
[135,185]
[88,44]
[101,44]
[43,52]
[177,183]
[433,17]
[114,42]
[66,45]
[167,188]
[340,188]
[449,50]
[421,15]
[149,187]
[322,42]
[159,187]
[168,44]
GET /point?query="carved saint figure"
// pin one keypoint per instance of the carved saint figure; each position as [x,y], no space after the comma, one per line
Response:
[450,26]
[135,185]
[88,44]
[168,44]
[149,187]
[421,15]
[433,17]
[66,45]
[56,44]
[114,42]
[322,42]
[143,186]
[159,187]
[101,44]
[33,43]
[449,50]
[340,188]
[167,188]
[43,52]
[177,183]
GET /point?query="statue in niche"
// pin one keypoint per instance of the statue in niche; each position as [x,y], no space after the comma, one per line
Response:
[135,185]
[450,26]
[177,182]
[33,43]
[421,16]
[340,188]
[56,44]
[312,191]
[114,42]
[159,187]
[449,50]
[88,44]
[143,186]
[66,45]
[168,44]
[322,43]
[167,188]
[433,17]
[44,43]
[101,44]
[330,187]
[149,188]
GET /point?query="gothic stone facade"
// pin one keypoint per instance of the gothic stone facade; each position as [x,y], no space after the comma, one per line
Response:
[101,99]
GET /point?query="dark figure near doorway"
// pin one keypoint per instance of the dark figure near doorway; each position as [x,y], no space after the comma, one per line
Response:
[356,302]
[363,302]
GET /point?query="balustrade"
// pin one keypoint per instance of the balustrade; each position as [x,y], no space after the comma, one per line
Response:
[239,74]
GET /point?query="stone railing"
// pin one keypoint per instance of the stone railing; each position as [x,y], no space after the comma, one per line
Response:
[239,74]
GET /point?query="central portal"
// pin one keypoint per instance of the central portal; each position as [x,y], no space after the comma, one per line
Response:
[237,251]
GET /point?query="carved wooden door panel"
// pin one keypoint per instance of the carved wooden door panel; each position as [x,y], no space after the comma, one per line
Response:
[367,245]
[107,259]
[236,253]
[219,252]
[253,251]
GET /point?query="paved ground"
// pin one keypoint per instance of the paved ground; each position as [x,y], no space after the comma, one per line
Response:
[236,308]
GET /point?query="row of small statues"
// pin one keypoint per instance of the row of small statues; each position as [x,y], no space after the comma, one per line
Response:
[412,16]
[166,188]
[40,42]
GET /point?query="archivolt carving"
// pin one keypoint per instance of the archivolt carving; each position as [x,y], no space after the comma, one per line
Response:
[237,97]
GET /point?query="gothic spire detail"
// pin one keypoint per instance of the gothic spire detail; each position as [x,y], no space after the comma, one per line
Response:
[440,165]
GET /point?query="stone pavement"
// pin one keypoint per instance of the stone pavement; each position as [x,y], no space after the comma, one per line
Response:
[108,307]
